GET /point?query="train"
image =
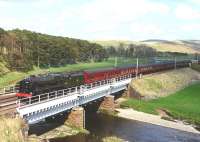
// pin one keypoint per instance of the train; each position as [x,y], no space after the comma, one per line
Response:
[35,85]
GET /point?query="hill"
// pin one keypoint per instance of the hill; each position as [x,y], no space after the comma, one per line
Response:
[23,49]
[182,46]
[165,83]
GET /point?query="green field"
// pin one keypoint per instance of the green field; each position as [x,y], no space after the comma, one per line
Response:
[14,76]
[184,104]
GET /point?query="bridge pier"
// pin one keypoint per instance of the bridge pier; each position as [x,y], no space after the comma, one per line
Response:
[76,117]
[108,104]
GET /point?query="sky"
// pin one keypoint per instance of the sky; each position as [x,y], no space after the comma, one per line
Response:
[105,19]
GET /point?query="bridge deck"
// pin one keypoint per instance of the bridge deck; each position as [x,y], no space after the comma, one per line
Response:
[36,108]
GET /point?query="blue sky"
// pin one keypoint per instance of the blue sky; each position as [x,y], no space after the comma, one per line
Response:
[105,19]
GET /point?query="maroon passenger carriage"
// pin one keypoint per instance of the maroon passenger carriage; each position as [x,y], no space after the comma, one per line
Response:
[93,76]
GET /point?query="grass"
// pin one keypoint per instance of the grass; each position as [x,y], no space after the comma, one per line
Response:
[176,47]
[196,67]
[159,46]
[112,139]
[10,130]
[13,77]
[164,83]
[183,104]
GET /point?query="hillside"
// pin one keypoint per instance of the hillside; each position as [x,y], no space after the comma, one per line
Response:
[165,83]
[182,46]
[23,49]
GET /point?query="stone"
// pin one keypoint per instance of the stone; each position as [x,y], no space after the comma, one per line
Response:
[76,117]
[108,103]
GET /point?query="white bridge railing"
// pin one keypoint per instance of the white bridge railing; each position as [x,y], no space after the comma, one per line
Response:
[41,106]
[9,90]
[67,92]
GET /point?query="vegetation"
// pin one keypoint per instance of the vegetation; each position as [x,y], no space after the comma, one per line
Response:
[10,130]
[173,47]
[131,50]
[164,83]
[22,49]
[196,67]
[188,47]
[112,139]
[183,104]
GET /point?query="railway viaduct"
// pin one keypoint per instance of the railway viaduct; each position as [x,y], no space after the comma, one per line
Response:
[42,106]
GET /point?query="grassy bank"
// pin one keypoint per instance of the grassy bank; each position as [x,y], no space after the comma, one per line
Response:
[13,77]
[196,67]
[164,83]
[183,104]
[112,139]
[10,130]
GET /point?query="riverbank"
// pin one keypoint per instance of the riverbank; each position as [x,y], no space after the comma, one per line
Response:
[11,129]
[57,132]
[182,105]
[154,119]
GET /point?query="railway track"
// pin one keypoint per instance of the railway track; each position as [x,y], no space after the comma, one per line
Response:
[8,104]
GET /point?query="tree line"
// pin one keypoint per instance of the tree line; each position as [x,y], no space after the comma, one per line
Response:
[139,50]
[23,49]
[131,50]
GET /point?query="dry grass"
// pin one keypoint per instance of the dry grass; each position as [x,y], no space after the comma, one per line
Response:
[164,47]
[10,130]
[112,139]
[174,46]
[157,85]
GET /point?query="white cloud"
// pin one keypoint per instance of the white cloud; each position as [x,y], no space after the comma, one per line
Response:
[109,15]
[43,3]
[186,12]
[119,10]
[190,27]
[196,1]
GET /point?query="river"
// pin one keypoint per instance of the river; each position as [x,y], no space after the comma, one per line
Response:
[101,126]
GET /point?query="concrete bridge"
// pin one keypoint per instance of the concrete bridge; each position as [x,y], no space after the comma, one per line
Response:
[45,105]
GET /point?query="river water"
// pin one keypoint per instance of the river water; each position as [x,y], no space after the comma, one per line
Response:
[101,126]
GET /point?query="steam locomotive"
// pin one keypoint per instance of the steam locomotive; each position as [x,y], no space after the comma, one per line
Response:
[35,85]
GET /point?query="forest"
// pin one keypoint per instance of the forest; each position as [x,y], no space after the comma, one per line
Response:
[22,49]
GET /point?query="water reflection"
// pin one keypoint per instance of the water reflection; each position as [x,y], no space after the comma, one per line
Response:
[101,126]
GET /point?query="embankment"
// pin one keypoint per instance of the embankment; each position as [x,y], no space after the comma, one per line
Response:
[12,130]
[174,95]
[162,84]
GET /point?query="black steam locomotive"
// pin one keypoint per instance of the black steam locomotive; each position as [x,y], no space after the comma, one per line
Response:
[50,82]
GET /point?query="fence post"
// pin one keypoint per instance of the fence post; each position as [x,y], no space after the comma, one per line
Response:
[137,69]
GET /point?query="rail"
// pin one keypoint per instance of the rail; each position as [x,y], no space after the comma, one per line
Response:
[67,92]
